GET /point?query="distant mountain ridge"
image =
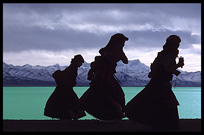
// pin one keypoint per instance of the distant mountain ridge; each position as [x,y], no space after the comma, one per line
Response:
[134,73]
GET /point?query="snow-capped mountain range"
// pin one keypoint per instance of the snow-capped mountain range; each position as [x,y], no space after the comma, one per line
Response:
[134,73]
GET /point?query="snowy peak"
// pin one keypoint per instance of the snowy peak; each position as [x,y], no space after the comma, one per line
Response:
[133,66]
[134,73]
[27,66]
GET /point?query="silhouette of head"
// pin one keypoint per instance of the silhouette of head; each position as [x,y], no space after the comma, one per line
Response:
[77,60]
[172,43]
[173,38]
[117,40]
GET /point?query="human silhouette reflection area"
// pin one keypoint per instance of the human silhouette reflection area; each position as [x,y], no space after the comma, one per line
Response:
[156,105]
[63,102]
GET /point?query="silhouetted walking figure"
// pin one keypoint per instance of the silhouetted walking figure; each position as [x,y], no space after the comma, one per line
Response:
[156,104]
[105,97]
[63,102]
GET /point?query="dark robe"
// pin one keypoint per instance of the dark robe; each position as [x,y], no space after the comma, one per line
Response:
[105,97]
[156,104]
[63,102]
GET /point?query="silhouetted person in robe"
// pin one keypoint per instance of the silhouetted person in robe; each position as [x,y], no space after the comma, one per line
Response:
[156,104]
[63,102]
[105,97]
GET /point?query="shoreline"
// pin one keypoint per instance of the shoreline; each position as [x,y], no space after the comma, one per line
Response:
[186,125]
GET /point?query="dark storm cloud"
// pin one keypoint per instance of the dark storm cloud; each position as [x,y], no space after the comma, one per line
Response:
[71,26]
[39,38]
[45,34]
[157,38]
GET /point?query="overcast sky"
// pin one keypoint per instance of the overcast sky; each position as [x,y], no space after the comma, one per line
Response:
[46,34]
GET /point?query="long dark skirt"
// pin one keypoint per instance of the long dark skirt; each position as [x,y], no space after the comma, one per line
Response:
[63,104]
[105,103]
[155,105]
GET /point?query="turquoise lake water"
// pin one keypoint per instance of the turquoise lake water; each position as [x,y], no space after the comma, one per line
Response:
[28,103]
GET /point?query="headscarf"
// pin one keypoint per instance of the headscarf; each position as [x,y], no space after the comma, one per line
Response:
[172,43]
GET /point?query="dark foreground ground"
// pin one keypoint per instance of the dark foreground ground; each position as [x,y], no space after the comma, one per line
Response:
[187,125]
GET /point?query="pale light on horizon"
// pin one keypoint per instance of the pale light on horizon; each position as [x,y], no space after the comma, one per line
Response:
[63,58]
